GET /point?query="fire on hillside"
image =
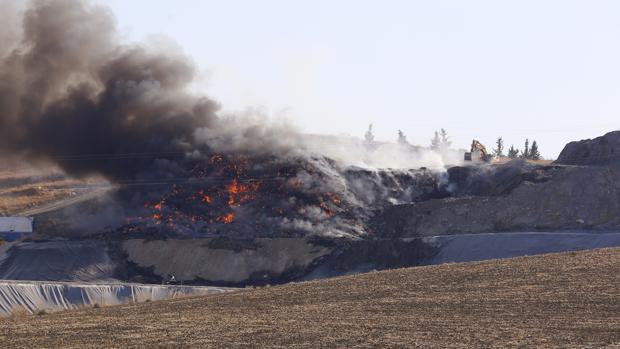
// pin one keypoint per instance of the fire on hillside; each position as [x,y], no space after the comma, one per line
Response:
[237,195]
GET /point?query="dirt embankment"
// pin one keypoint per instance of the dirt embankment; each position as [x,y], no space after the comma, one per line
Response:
[550,198]
[598,151]
[513,197]
[553,301]
[581,190]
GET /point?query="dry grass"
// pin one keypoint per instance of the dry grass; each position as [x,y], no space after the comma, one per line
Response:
[25,189]
[561,300]
[505,159]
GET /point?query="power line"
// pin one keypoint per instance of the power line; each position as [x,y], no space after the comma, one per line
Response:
[115,156]
[164,181]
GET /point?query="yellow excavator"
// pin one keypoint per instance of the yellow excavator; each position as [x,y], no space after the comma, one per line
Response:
[478,152]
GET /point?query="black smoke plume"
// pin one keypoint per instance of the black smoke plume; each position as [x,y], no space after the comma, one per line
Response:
[70,92]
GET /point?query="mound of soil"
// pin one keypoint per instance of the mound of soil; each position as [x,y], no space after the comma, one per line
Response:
[512,197]
[598,151]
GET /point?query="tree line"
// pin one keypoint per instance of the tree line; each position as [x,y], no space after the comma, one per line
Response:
[441,141]
[530,152]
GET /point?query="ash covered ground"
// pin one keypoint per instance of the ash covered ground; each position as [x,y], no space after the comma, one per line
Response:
[237,196]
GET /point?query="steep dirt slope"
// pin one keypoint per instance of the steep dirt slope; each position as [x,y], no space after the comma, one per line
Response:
[598,151]
[581,190]
[513,197]
[562,300]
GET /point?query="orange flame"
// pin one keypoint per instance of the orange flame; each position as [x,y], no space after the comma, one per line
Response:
[158,206]
[228,218]
[235,193]
[157,218]
[239,193]
[233,189]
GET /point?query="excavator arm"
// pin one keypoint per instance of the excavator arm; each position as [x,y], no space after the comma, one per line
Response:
[479,151]
[477,146]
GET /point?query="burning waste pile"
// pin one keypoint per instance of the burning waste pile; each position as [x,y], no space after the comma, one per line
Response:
[72,93]
[268,203]
[242,196]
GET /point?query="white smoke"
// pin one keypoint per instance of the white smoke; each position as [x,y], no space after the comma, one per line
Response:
[350,151]
[10,16]
[254,130]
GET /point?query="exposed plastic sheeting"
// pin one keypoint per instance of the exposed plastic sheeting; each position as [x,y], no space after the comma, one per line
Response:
[90,261]
[32,297]
[57,261]
[478,247]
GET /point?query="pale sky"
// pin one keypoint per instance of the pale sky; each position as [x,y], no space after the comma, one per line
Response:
[547,70]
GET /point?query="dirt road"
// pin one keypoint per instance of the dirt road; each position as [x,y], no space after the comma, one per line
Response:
[56,205]
[569,300]
[30,192]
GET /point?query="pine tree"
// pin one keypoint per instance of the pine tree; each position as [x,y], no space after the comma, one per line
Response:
[525,153]
[402,139]
[512,152]
[436,142]
[499,151]
[534,153]
[369,137]
[445,140]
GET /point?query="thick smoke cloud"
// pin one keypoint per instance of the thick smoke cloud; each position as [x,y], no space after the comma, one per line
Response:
[10,17]
[70,92]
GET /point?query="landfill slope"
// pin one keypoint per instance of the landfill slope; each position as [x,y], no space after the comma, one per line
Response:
[568,300]
[84,261]
[480,247]
[235,263]
[513,197]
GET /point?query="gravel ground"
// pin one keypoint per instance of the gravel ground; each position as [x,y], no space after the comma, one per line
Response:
[559,300]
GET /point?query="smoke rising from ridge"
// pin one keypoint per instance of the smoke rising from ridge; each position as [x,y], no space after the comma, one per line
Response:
[72,93]
[69,90]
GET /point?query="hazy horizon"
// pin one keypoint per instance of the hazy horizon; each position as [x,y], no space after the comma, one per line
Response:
[543,70]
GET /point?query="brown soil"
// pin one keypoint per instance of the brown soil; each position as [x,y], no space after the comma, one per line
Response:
[26,189]
[505,159]
[560,300]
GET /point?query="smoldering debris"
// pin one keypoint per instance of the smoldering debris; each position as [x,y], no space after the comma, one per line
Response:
[242,197]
